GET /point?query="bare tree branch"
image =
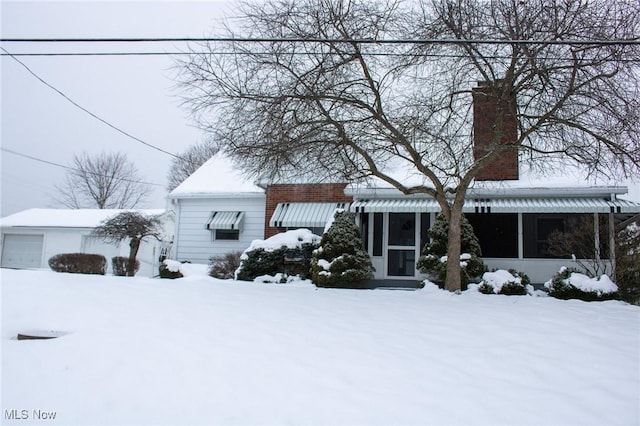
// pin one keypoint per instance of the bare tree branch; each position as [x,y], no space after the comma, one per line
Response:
[104,181]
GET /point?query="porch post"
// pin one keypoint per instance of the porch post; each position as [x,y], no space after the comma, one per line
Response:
[612,245]
[596,237]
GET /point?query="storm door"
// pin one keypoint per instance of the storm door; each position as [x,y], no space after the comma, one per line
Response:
[401,245]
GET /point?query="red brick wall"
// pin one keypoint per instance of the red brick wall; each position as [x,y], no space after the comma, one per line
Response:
[487,108]
[301,193]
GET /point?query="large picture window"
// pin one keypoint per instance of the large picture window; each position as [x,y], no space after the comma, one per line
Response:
[497,233]
[537,228]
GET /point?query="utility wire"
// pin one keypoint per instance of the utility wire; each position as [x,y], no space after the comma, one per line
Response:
[219,53]
[10,151]
[87,111]
[576,42]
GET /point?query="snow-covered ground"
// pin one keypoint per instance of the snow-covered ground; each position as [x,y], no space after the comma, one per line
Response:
[204,351]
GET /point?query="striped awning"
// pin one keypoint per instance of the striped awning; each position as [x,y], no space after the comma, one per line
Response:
[298,215]
[501,205]
[424,205]
[225,220]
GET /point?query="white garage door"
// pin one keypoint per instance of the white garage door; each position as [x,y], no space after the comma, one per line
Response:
[22,251]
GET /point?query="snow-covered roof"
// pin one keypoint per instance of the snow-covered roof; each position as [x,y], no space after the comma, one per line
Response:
[66,218]
[217,176]
[565,183]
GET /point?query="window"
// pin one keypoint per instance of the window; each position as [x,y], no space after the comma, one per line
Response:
[316,230]
[402,229]
[227,234]
[497,233]
[377,234]
[364,230]
[537,228]
[425,224]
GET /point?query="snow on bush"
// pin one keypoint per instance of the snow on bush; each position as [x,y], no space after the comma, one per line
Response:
[175,269]
[293,239]
[286,253]
[570,284]
[340,261]
[509,282]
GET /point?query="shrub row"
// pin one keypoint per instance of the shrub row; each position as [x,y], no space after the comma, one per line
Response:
[89,263]
[79,263]
[120,266]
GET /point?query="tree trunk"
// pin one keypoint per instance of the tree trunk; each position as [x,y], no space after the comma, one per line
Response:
[133,252]
[453,280]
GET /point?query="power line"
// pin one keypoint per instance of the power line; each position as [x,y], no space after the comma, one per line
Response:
[220,53]
[577,42]
[87,111]
[10,151]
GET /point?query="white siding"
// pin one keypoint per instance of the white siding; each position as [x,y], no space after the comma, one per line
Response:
[195,243]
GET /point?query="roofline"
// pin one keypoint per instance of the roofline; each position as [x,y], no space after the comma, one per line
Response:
[252,194]
[501,192]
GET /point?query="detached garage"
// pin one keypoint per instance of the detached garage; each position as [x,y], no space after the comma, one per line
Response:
[29,238]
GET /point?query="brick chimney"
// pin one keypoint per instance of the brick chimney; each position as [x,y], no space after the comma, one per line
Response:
[487,108]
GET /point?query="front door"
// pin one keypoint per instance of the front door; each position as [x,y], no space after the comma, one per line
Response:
[401,245]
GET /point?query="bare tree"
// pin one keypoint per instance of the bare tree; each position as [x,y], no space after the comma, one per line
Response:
[133,226]
[105,181]
[321,94]
[184,164]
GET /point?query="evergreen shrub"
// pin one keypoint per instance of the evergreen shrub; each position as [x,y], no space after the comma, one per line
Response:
[120,265]
[628,263]
[79,263]
[433,261]
[340,261]
[514,283]
[169,272]
[565,285]
[287,253]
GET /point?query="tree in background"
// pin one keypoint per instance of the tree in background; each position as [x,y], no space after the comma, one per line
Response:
[323,96]
[187,162]
[105,181]
[340,260]
[132,225]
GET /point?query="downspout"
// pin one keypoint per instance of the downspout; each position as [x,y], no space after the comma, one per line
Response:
[176,227]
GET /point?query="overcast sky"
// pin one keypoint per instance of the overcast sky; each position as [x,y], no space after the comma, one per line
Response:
[134,93]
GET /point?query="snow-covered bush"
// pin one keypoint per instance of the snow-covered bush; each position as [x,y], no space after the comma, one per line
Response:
[287,253]
[340,261]
[570,284]
[433,260]
[170,269]
[509,282]
[628,263]
[79,263]
[225,266]
[120,265]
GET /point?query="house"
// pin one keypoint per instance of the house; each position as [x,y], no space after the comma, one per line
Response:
[29,238]
[512,220]
[217,211]
[513,211]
